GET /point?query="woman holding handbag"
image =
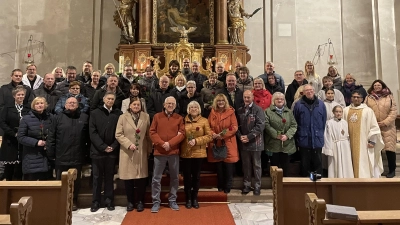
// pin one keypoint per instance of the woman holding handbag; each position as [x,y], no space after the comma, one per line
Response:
[193,151]
[223,125]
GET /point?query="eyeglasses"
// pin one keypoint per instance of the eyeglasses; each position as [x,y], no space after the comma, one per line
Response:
[75,88]
[71,73]
[190,87]
[356,97]
[72,103]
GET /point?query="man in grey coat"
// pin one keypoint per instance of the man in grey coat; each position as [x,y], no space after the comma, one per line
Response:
[251,120]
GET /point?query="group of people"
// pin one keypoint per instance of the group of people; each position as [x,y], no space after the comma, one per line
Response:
[183,118]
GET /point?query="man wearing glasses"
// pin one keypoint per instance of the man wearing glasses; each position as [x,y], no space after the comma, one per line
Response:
[186,67]
[365,138]
[71,76]
[158,96]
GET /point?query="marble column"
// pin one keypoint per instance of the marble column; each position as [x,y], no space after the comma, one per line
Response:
[221,22]
[145,21]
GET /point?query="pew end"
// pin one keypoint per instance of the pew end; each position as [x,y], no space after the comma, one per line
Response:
[19,212]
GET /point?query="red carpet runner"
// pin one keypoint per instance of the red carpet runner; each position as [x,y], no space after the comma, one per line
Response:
[207,214]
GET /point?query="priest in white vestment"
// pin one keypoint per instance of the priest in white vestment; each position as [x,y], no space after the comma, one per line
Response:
[365,138]
[337,146]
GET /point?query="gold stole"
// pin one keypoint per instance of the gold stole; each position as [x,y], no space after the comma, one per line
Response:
[354,121]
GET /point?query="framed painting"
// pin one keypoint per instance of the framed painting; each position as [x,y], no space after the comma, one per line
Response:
[187,13]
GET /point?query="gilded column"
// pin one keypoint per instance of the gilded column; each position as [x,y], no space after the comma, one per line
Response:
[222,22]
[144,21]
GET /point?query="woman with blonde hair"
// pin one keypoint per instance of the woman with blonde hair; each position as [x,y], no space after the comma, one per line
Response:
[32,135]
[180,86]
[297,96]
[223,125]
[312,77]
[262,97]
[349,85]
[193,151]
[59,74]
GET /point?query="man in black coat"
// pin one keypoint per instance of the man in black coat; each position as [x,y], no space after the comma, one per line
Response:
[299,79]
[158,96]
[48,91]
[6,97]
[197,76]
[67,141]
[233,93]
[86,76]
[63,86]
[104,150]
[126,79]
[111,86]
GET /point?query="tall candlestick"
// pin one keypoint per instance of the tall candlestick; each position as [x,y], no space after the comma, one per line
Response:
[134,66]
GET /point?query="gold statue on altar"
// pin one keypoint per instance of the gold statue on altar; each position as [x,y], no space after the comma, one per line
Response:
[123,18]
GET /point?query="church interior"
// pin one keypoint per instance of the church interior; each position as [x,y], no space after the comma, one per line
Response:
[358,37]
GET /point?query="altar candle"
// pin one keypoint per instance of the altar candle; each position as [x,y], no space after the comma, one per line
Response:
[134,66]
[141,65]
[230,67]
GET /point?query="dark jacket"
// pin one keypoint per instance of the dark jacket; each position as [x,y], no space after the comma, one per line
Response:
[34,127]
[11,150]
[291,91]
[348,88]
[177,93]
[238,98]
[125,84]
[88,91]
[199,79]
[97,100]
[64,86]
[279,80]
[185,100]
[84,79]
[222,77]
[252,125]
[311,120]
[82,101]
[102,126]
[208,94]
[275,88]
[7,99]
[68,138]
[51,95]
[156,101]
[147,85]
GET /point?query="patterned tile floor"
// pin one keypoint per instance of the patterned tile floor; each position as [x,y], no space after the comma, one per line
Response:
[243,214]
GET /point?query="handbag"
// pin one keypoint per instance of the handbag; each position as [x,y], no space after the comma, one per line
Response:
[219,152]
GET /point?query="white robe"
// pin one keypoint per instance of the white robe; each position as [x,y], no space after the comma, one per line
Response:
[337,148]
[329,107]
[370,163]
[339,98]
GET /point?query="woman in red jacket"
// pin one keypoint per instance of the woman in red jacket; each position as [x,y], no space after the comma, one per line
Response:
[223,125]
[262,97]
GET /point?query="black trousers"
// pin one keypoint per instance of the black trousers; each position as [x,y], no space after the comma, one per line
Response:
[35,176]
[77,183]
[191,168]
[135,190]
[310,161]
[13,171]
[391,158]
[225,175]
[280,160]
[103,168]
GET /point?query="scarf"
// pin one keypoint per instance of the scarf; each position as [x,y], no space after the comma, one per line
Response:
[180,88]
[378,94]
[279,111]
[348,88]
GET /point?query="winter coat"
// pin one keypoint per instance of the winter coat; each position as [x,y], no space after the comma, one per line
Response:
[63,86]
[385,110]
[51,95]
[278,80]
[148,85]
[276,124]
[262,98]
[125,105]
[36,84]
[7,99]
[102,126]
[348,89]
[156,101]
[238,98]
[97,100]
[252,125]
[68,139]
[198,129]
[176,93]
[222,77]
[82,101]
[199,79]
[165,128]
[208,94]
[11,150]
[133,164]
[337,82]
[245,85]
[125,84]
[32,128]
[83,78]
[185,100]
[275,88]
[311,120]
[219,122]
[291,91]
[88,91]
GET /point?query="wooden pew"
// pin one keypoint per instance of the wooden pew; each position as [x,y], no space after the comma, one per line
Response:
[363,194]
[53,199]
[19,212]
[316,208]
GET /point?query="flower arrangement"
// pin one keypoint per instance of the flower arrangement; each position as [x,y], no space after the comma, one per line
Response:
[137,137]
[42,134]
[223,132]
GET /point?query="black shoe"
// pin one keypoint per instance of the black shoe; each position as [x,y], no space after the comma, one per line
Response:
[129,207]
[188,203]
[140,206]
[228,190]
[220,189]
[74,207]
[391,174]
[95,207]
[257,191]
[195,203]
[246,190]
[110,206]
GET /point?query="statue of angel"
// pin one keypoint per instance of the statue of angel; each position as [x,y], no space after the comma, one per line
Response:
[123,18]
[182,30]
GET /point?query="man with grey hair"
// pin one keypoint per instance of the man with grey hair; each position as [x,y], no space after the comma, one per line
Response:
[186,67]
[158,96]
[251,121]
[270,69]
[299,79]
[220,70]
[32,79]
[197,76]
[48,91]
[167,131]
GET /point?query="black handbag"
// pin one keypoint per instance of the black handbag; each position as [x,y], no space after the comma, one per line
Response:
[219,152]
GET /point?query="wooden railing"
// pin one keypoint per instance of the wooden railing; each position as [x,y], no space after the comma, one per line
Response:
[19,212]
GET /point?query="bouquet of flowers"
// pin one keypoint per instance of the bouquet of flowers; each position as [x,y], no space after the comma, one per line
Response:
[43,135]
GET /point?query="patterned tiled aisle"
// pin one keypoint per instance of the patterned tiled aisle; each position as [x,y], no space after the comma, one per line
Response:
[243,214]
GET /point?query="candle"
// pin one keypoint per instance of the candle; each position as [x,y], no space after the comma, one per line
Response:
[230,67]
[141,65]
[134,66]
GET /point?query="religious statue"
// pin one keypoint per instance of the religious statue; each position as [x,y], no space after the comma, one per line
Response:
[236,14]
[156,62]
[182,30]
[123,18]
[209,63]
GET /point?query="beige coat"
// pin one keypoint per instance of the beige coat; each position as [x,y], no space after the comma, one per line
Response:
[125,105]
[385,110]
[133,164]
